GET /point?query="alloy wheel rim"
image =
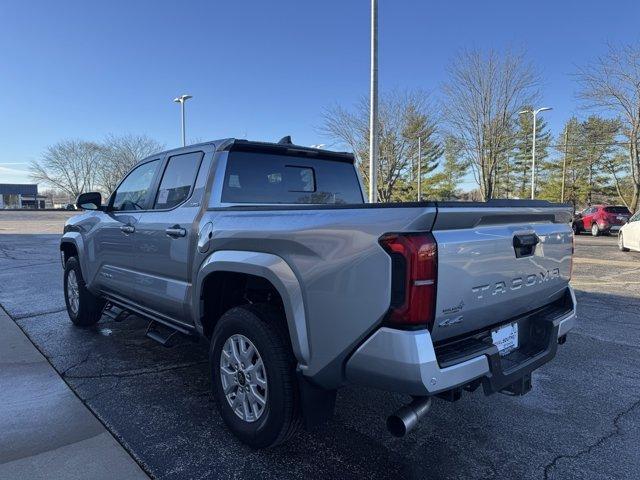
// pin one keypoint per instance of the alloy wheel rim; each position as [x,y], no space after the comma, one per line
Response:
[243,377]
[73,294]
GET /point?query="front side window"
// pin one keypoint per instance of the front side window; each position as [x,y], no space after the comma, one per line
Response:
[177,180]
[133,192]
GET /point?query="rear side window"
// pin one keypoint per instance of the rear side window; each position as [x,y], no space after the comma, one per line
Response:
[623,210]
[177,180]
[267,178]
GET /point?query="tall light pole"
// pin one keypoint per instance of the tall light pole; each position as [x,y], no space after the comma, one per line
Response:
[373,119]
[182,100]
[419,169]
[564,162]
[533,147]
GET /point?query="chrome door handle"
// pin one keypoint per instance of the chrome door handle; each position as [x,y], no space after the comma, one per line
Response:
[176,232]
[128,229]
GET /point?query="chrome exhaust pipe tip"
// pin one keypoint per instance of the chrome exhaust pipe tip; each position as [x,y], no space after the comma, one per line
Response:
[406,418]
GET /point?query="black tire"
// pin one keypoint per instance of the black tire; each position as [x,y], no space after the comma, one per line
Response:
[265,327]
[595,230]
[621,243]
[575,228]
[89,307]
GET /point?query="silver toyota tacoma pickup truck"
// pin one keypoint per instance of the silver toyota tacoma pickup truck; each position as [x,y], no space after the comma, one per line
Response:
[269,252]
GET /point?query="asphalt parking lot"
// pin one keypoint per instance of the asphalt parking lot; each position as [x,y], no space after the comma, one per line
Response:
[580,421]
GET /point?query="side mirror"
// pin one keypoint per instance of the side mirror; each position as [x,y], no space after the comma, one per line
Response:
[89,201]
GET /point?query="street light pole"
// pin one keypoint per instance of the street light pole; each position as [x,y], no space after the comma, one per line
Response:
[533,147]
[564,162]
[419,169]
[373,119]
[182,100]
[533,159]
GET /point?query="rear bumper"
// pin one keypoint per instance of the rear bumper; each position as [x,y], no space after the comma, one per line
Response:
[406,361]
[610,227]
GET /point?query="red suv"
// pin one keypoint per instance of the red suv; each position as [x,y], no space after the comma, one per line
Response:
[601,219]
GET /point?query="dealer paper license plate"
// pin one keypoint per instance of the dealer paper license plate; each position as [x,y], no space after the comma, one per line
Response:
[505,338]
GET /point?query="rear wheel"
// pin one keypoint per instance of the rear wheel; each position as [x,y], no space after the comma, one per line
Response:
[83,307]
[621,243]
[253,376]
[595,230]
[574,227]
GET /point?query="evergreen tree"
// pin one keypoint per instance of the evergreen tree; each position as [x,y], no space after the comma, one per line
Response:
[445,184]
[551,169]
[597,137]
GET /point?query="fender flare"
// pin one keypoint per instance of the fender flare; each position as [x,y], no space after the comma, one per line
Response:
[75,239]
[277,271]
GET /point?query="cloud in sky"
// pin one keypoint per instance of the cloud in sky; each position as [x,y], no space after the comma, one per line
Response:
[9,174]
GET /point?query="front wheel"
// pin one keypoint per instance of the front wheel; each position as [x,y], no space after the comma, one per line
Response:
[83,307]
[595,230]
[621,243]
[253,376]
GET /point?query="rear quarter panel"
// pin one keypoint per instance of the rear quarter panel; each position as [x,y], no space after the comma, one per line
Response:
[343,273]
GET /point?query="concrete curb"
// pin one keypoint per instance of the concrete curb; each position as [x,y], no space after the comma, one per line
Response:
[46,431]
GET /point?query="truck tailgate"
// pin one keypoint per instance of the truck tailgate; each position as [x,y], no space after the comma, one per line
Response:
[495,263]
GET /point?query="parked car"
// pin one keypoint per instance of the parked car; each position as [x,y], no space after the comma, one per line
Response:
[269,253]
[629,236]
[601,219]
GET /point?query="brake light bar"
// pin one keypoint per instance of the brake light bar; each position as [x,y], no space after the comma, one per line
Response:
[414,260]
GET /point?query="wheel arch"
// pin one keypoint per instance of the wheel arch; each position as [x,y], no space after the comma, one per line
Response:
[272,269]
[71,245]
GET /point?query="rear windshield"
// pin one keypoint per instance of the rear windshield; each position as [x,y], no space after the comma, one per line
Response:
[253,177]
[624,210]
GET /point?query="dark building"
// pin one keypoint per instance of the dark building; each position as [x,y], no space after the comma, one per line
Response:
[15,195]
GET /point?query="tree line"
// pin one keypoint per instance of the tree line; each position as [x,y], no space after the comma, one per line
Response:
[472,128]
[77,166]
[475,129]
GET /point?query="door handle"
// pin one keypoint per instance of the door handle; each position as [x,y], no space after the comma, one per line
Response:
[176,231]
[128,229]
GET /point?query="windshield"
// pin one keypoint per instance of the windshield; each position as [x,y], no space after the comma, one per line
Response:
[623,210]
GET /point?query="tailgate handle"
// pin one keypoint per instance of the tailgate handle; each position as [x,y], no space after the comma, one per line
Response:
[525,244]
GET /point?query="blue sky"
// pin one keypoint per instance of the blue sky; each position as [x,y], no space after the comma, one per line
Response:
[258,69]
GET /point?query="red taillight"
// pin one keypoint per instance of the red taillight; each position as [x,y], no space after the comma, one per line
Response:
[414,260]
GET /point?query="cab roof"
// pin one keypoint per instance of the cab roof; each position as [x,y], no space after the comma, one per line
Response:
[280,148]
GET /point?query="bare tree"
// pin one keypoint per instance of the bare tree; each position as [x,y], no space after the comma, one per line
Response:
[483,95]
[612,82]
[403,118]
[119,154]
[69,165]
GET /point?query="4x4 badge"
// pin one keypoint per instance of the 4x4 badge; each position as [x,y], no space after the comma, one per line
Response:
[447,322]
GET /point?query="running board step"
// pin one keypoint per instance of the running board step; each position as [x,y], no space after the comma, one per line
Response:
[112,312]
[163,334]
